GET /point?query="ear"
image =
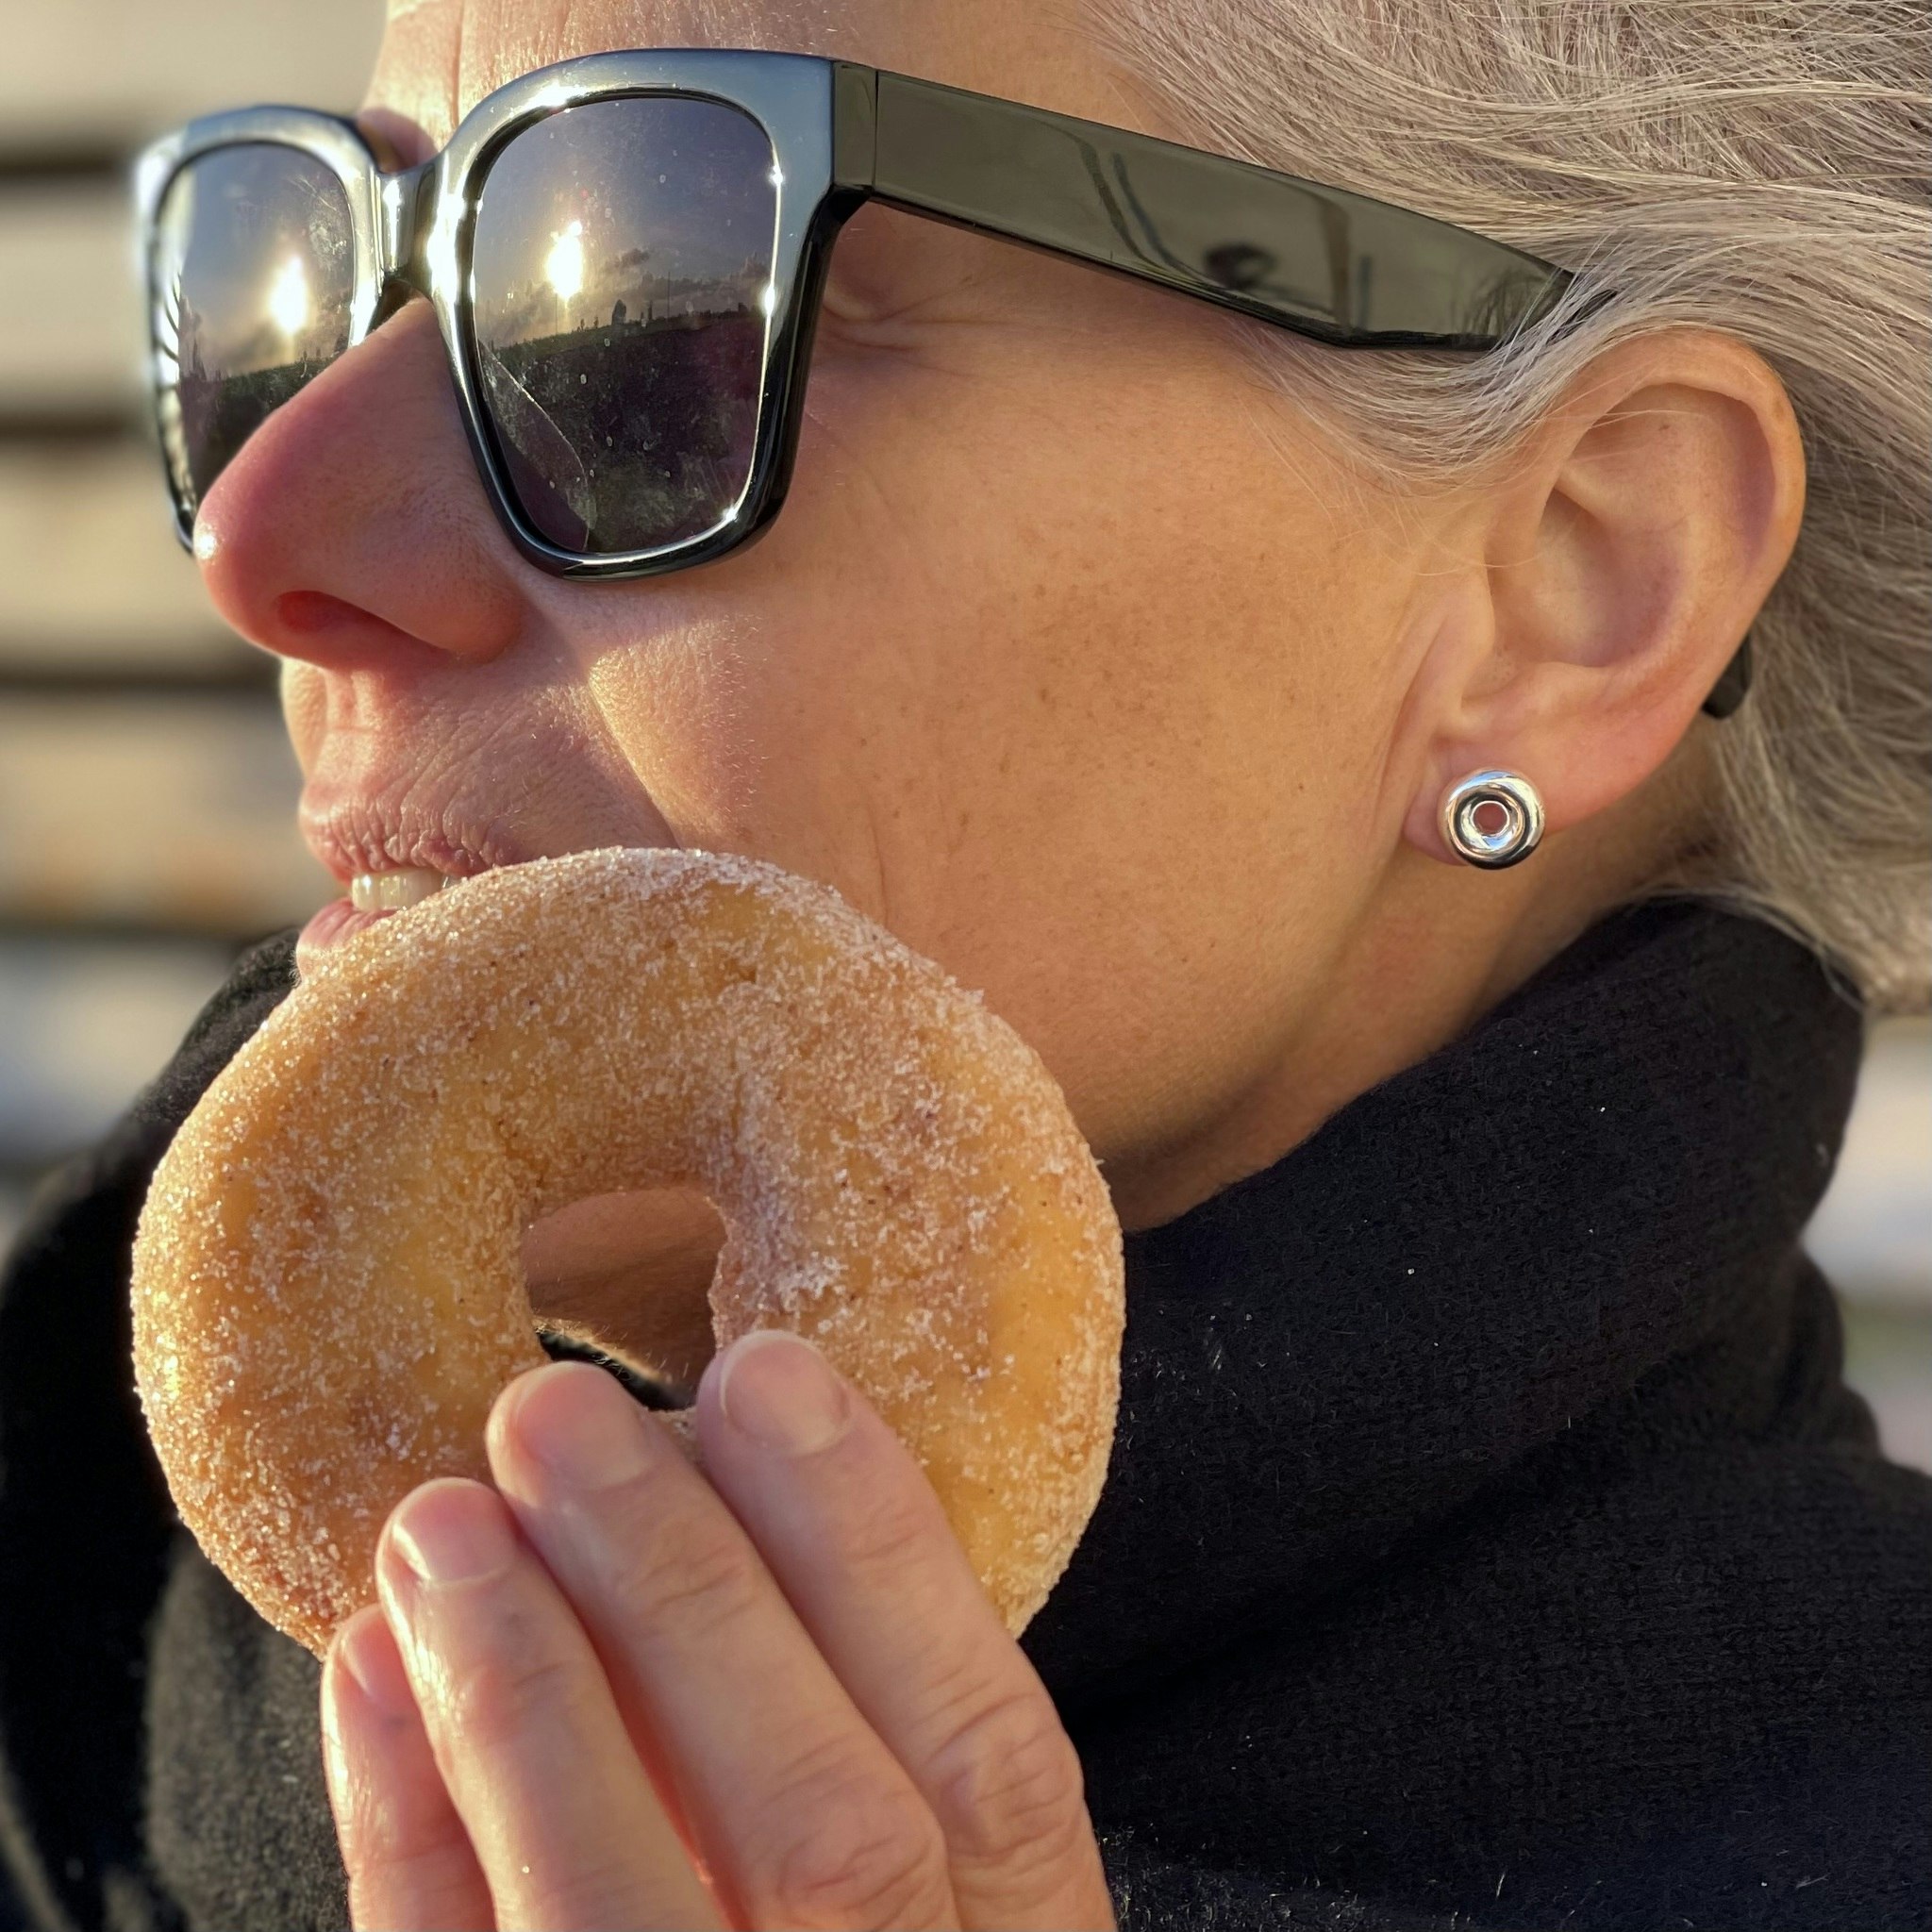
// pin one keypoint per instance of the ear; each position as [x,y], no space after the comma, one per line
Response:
[1620,565]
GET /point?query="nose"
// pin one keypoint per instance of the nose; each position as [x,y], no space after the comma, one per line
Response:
[351,530]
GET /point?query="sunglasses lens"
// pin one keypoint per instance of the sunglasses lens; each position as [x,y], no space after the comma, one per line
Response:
[622,267]
[253,285]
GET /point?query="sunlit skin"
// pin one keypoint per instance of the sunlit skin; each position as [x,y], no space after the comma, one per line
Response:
[1079,660]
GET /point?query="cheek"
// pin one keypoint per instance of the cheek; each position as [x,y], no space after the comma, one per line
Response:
[1060,718]
[1160,842]
[1012,675]
[773,724]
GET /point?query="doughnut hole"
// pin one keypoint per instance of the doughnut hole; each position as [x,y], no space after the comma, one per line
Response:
[624,1280]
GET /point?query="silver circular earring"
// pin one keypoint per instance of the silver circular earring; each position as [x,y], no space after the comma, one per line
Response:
[1493,819]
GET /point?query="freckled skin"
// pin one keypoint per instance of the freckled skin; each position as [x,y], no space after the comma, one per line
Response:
[1073,659]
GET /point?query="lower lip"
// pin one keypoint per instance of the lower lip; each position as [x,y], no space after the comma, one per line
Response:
[337,921]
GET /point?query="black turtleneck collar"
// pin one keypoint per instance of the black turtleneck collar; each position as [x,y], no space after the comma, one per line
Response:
[1553,1237]
[1466,1264]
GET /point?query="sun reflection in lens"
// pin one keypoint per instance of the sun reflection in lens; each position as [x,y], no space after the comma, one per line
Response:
[289,306]
[565,267]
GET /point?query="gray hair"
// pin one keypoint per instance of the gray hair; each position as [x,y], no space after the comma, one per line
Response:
[1754,166]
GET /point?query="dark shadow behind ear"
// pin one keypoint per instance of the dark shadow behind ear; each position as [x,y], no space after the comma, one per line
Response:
[1728,693]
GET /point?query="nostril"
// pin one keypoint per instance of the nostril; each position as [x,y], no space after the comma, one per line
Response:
[342,635]
[309,613]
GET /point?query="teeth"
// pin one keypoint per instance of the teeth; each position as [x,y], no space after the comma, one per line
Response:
[390,891]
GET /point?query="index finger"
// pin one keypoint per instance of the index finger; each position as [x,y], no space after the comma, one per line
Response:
[860,1545]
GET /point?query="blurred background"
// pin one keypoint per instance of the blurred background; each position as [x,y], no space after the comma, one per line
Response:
[146,792]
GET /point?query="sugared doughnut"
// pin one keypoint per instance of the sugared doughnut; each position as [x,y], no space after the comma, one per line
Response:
[327,1289]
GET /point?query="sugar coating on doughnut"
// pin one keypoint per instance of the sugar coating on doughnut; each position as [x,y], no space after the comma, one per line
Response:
[327,1284]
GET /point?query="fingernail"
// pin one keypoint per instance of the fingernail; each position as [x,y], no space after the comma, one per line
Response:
[581,1426]
[452,1531]
[367,1654]
[781,1392]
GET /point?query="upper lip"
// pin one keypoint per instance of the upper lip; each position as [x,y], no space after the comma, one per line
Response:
[352,835]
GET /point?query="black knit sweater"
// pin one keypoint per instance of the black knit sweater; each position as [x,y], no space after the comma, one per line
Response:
[1490,1540]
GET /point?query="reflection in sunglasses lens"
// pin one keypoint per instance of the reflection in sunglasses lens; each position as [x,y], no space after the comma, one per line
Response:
[253,284]
[622,268]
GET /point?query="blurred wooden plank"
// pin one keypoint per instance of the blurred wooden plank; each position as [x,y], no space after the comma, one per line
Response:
[173,813]
[1873,1232]
[71,329]
[120,71]
[82,1028]
[59,154]
[91,577]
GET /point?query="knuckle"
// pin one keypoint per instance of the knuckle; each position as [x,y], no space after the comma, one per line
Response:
[597,1890]
[411,1843]
[441,1894]
[887,1537]
[847,1850]
[497,1699]
[1007,1784]
[688,1574]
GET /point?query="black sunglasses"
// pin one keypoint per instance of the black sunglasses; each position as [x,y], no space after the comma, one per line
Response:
[624,254]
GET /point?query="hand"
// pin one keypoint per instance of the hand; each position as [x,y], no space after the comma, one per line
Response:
[615,1691]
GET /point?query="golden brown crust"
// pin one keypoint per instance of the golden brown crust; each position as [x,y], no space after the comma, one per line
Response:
[327,1292]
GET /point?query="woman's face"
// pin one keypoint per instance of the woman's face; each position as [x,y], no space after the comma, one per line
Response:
[1068,659]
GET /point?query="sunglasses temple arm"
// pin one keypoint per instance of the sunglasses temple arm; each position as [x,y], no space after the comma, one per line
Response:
[1331,264]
